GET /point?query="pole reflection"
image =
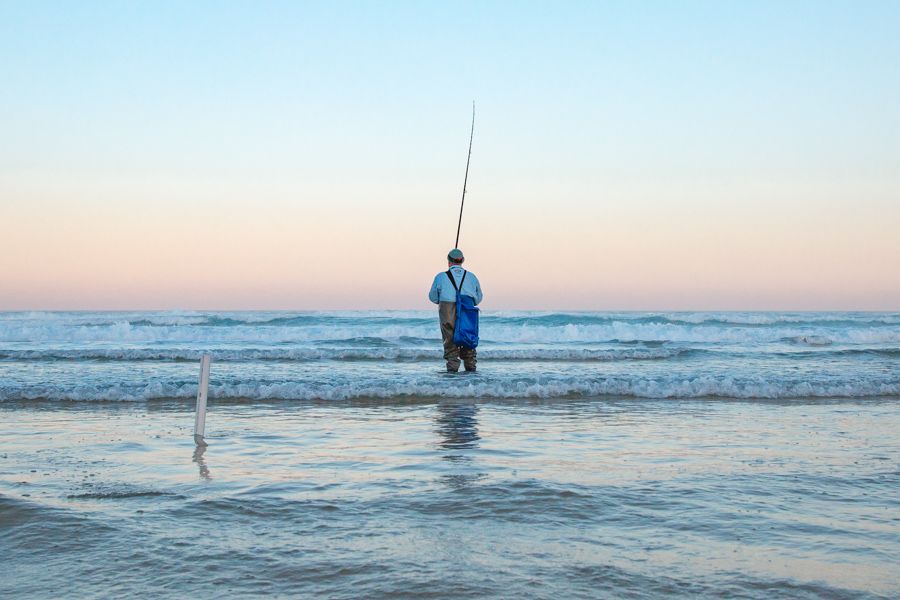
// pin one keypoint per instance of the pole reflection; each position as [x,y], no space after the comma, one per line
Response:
[199,451]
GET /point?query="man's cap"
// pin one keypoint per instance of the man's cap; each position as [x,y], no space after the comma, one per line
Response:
[455,255]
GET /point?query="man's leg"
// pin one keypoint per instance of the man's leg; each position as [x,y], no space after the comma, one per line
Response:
[468,357]
[447,315]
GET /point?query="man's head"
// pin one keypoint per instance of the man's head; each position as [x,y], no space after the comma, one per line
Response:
[455,257]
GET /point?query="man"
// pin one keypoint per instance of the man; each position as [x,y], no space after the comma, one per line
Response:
[443,293]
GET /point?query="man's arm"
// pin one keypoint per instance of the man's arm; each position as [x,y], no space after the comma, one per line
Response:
[435,293]
[478,295]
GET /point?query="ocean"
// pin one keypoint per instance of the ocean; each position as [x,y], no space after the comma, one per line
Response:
[143,356]
[593,454]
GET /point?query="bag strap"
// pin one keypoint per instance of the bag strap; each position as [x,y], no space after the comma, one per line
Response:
[450,275]
[461,281]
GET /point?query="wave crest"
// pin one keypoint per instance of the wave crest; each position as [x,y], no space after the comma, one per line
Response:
[123,332]
[340,354]
[473,387]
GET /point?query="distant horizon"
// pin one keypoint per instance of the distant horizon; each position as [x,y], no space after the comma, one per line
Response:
[421,309]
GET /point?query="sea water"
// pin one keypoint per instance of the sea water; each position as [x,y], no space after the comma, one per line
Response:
[592,455]
[342,356]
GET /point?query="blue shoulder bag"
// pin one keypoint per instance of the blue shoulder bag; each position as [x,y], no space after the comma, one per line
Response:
[465,333]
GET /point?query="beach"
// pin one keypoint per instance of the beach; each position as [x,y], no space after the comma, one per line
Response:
[749,455]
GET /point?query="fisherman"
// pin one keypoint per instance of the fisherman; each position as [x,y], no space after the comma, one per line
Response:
[443,293]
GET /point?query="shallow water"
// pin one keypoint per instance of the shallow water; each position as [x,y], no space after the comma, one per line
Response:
[589,497]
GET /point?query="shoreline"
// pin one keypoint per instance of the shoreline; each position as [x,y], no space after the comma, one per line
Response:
[186,404]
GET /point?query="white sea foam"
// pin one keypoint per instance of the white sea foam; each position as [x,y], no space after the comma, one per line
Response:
[127,333]
[639,387]
[309,354]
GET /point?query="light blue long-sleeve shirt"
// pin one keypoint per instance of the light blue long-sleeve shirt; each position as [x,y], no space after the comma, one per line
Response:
[443,291]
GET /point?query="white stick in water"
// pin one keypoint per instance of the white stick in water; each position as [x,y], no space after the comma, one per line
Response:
[200,416]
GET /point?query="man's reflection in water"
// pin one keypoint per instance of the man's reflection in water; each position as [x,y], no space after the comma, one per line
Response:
[199,451]
[458,427]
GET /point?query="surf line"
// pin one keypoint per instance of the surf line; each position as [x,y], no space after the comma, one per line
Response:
[466,179]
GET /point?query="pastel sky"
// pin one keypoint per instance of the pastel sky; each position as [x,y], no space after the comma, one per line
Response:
[310,155]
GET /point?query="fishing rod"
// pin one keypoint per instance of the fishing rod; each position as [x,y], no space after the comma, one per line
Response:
[466,180]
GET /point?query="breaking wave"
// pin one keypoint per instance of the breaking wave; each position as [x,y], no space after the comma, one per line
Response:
[404,354]
[526,332]
[346,354]
[472,387]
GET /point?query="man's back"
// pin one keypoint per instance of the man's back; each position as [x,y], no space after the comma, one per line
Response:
[443,291]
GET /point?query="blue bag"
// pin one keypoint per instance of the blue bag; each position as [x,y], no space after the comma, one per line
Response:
[465,333]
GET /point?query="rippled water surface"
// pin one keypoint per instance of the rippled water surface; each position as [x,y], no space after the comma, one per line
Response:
[443,498]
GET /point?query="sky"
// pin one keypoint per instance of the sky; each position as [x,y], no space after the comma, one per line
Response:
[310,155]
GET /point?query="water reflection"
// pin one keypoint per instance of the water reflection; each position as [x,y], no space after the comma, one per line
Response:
[457,426]
[199,451]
